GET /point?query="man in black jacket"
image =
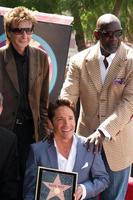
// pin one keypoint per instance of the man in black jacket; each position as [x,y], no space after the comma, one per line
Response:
[8,163]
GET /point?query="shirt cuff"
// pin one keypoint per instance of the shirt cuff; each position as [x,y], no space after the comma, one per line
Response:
[105,133]
[84,192]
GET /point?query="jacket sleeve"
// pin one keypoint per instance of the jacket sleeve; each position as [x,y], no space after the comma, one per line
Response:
[70,89]
[99,180]
[72,84]
[44,98]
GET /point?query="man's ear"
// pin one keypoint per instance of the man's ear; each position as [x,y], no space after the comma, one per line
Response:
[96,35]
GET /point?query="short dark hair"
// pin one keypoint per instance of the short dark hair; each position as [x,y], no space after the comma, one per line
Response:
[58,103]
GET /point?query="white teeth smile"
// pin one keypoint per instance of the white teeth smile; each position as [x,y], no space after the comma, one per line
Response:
[68,130]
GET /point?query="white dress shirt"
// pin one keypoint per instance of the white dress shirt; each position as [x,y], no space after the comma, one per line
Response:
[104,72]
[68,164]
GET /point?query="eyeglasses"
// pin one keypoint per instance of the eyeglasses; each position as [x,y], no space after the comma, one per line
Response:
[107,34]
[20,31]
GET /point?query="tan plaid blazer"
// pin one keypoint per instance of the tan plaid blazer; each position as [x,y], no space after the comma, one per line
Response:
[109,104]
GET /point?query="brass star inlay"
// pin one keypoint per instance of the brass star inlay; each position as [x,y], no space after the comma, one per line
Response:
[56,188]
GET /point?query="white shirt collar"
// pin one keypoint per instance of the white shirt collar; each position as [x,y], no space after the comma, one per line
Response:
[109,58]
[67,164]
[103,70]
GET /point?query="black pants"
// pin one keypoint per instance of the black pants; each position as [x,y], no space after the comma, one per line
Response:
[24,133]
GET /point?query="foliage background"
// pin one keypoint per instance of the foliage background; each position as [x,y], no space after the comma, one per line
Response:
[85,13]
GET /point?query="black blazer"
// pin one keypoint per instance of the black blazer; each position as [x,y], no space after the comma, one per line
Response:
[8,165]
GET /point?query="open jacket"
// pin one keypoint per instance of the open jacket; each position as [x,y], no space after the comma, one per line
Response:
[90,167]
[109,105]
[38,80]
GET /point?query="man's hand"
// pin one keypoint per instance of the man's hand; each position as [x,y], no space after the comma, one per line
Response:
[78,194]
[95,141]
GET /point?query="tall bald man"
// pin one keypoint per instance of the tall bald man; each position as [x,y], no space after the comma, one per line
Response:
[102,78]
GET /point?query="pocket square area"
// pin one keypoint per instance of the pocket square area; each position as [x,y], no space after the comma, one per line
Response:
[85,165]
[118,81]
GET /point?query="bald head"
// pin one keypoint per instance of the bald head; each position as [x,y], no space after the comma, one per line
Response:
[107,19]
[108,31]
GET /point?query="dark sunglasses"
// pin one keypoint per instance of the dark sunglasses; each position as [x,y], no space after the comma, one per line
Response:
[110,33]
[20,31]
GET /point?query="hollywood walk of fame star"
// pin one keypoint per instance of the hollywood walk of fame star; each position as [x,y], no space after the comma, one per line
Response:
[56,188]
